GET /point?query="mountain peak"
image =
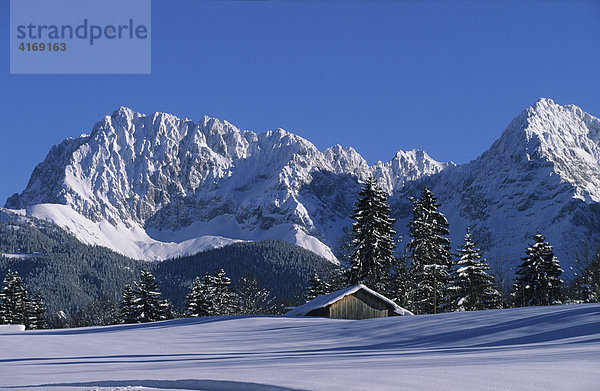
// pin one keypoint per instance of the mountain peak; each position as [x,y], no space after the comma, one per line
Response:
[415,154]
[562,138]
[123,111]
[544,102]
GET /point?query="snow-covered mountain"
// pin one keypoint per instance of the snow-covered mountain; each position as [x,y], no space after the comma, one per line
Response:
[155,186]
[543,173]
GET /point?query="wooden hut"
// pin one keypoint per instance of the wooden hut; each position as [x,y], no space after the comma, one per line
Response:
[356,302]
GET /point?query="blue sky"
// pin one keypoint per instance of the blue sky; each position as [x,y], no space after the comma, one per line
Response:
[446,77]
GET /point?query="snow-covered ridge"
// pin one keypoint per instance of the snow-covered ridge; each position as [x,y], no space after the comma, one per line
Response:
[142,181]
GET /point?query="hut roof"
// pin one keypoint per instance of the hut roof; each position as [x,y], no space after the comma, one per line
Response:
[325,300]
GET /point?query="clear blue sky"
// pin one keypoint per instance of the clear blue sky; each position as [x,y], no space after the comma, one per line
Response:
[446,77]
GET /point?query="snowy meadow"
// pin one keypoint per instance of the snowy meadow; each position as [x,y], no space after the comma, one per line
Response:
[534,348]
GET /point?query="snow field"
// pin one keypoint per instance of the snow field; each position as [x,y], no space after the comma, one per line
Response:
[536,348]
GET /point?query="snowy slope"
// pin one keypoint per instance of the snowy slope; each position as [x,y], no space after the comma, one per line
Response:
[155,186]
[536,348]
[132,241]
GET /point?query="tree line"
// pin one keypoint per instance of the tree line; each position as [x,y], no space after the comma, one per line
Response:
[428,278]
[17,307]
[83,285]
[143,302]
[213,295]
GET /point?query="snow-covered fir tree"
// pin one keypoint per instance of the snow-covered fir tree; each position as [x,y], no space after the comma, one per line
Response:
[148,304]
[373,241]
[213,296]
[36,314]
[337,278]
[344,249]
[197,301]
[14,304]
[401,283]
[316,287]
[102,311]
[471,288]
[586,286]
[538,277]
[431,259]
[224,300]
[254,299]
[126,306]
[581,291]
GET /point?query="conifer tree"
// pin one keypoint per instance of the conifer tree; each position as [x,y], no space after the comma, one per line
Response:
[213,296]
[586,286]
[36,313]
[538,277]
[431,259]
[102,311]
[471,288]
[224,300]
[344,249]
[401,284]
[316,287]
[14,303]
[336,279]
[253,299]
[148,304]
[197,300]
[373,240]
[126,307]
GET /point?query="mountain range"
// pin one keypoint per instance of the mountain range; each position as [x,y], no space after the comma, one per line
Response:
[156,186]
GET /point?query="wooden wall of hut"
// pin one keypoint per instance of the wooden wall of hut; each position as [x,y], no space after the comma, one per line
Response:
[359,305]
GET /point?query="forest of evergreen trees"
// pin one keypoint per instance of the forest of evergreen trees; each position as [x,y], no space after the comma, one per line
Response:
[65,283]
[83,285]
[428,278]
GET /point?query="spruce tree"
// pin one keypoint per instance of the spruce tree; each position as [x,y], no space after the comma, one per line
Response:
[373,240]
[213,296]
[336,279]
[14,304]
[344,249]
[316,287]
[431,259]
[586,286]
[36,314]
[224,300]
[538,277]
[100,312]
[197,300]
[253,299]
[148,304]
[126,307]
[471,288]
[401,284]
